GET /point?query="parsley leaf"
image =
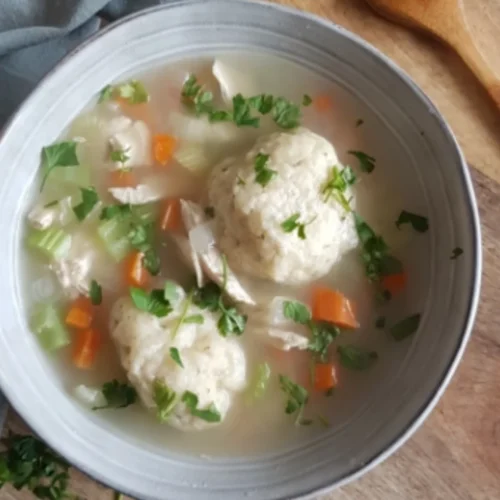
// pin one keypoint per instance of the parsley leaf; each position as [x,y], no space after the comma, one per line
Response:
[61,154]
[286,114]
[356,358]
[210,414]
[242,113]
[106,94]
[337,184]
[175,355]
[151,261]
[90,199]
[297,396]
[208,297]
[418,222]
[366,162]
[405,327]
[165,400]
[117,395]
[95,293]
[306,100]
[119,156]
[296,311]
[263,103]
[29,463]
[263,175]
[112,211]
[170,292]
[231,322]
[293,223]
[194,318]
[322,335]
[456,252]
[134,92]
[153,303]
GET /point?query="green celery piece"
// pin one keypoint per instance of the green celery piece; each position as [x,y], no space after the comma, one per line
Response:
[146,213]
[260,383]
[78,176]
[48,327]
[114,234]
[53,242]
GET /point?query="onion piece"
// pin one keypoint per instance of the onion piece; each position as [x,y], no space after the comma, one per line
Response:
[90,397]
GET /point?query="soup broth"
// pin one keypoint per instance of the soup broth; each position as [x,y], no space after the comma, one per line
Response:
[252,425]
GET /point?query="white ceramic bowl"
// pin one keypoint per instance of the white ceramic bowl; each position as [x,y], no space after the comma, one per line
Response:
[427,169]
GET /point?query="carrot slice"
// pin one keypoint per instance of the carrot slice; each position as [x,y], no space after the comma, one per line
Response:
[395,283]
[122,178]
[80,313]
[171,219]
[85,348]
[323,103]
[330,305]
[163,148]
[135,272]
[325,376]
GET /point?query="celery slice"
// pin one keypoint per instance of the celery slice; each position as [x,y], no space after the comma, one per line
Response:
[53,242]
[193,156]
[78,176]
[48,327]
[146,213]
[114,235]
[260,383]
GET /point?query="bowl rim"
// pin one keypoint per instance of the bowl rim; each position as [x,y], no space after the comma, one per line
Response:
[472,206]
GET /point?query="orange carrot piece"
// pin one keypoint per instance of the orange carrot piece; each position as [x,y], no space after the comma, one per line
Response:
[163,148]
[135,272]
[85,348]
[171,219]
[122,178]
[80,313]
[330,305]
[395,283]
[323,103]
[325,376]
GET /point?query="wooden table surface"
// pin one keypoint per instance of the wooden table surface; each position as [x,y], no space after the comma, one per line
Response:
[456,454]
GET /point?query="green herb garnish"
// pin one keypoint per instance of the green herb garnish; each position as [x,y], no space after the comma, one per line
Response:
[95,293]
[106,93]
[292,223]
[112,211]
[337,184]
[322,336]
[359,122]
[380,322]
[175,355]
[61,154]
[263,175]
[210,212]
[297,397]
[117,395]
[456,252]
[418,222]
[153,302]
[406,327]
[133,92]
[356,358]
[119,156]
[296,311]
[306,100]
[90,199]
[286,114]
[366,162]
[197,319]
[325,422]
[165,400]
[210,414]
[170,292]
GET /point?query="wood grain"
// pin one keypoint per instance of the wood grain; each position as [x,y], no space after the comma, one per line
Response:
[455,455]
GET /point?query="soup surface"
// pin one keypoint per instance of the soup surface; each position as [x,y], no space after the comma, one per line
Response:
[204,265]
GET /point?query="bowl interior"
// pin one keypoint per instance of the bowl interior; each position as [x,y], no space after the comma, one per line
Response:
[422,168]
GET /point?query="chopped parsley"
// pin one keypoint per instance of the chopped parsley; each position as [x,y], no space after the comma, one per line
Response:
[151,261]
[296,311]
[356,358]
[133,92]
[325,422]
[405,327]
[456,252]
[306,100]
[106,94]
[170,291]
[119,156]
[297,397]
[210,212]
[194,319]
[175,355]
[95,293]
[380,322]
[90,199]
[292,223]
[242,112]
[165,400]
[359,122]
[263,175]
[112,211]
[418,222]
[210,414]
[286,114]
[366,162]
[322,336]
[27,462]
[337,184]
[117,395]
[153,302]
[185,308]
[61,154]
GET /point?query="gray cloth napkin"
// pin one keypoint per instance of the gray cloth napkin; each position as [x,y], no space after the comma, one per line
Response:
[35,35]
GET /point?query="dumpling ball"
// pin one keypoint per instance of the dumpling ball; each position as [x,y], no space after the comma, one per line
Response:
[280,225]
[214,367]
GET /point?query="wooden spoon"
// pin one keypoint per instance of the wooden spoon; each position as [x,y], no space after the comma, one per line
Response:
[445,19]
